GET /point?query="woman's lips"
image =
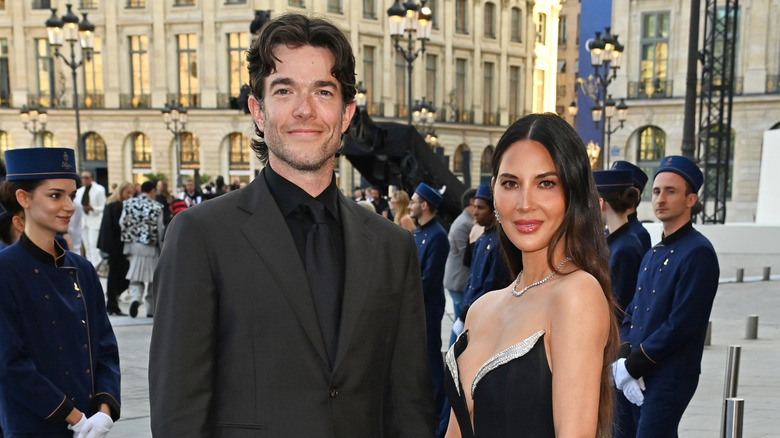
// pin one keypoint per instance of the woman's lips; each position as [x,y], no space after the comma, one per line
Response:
[527,226]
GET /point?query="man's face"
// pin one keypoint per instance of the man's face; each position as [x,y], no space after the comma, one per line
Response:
[415,206]
[375,194]
[302,115]
[190,186]
[670,203]
[483,215]
[86,179]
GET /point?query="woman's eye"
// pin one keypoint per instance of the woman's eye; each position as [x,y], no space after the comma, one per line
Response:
[547,184]
[509,184]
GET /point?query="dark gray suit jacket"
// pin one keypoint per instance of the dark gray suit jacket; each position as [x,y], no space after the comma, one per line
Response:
[237,349]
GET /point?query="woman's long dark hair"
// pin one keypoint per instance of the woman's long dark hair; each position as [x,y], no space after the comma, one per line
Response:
[581,230]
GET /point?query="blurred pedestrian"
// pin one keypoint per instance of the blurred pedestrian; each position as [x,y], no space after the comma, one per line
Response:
[92,198]
[142,226]
[110,242]
[399,205]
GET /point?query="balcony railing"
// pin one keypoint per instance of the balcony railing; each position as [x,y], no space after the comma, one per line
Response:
[92,101]
[185,100]
[491,118]
[226,101]
[375,109]
[5,99]
[135,4]
[773,84]
[651,89]
[135,101]
[88,4]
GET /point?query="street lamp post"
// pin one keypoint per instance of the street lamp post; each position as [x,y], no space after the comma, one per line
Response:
[606,128]
[34,116]
[424,116]
[69,28]
[175,118]
[605,55]
[409,18]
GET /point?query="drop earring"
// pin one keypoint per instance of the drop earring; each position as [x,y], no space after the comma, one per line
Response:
[495,212]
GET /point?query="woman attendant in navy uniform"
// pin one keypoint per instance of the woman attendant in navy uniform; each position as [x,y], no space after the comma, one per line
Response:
[617,196]
[59,363]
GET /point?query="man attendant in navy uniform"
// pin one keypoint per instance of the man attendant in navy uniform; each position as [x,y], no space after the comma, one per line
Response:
[433,246]
[639,181]
[665,324]
[488,268]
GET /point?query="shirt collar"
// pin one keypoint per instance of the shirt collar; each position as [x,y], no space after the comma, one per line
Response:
[42,256]
[620,231]
[677,235]
[289,196]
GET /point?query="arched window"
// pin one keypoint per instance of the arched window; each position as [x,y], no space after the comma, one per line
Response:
[461,164]
[94,147]
[48,140]
[5,143]
[239,152]
[190,151]
[650,147]
[142,151]
[486,165]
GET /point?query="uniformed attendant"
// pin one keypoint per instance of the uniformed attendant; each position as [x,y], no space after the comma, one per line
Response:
[639,182]
[59,363]
[488,268]
[433,246]
[665,325]
[616,196]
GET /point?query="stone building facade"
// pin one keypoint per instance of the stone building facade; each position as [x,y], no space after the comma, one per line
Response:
[487,63]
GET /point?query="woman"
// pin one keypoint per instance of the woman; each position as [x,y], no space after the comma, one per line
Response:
[110,242]
[59,364]
[534,357]
[399,204]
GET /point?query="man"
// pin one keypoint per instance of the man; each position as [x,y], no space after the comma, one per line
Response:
[488,268]
[639,181]
[456,273]
[190,195]
[432,250]
[265,321]
[142,226]
[666,322]
[92,198]
[380,203]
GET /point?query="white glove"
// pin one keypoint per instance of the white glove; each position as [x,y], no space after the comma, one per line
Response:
[457,327]
[97,426]
[633,391]
[77,428]
[620,374]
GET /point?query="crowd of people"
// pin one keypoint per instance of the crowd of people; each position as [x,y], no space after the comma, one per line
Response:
[568,323]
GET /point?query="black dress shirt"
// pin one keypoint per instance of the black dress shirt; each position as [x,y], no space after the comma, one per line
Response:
[289,197]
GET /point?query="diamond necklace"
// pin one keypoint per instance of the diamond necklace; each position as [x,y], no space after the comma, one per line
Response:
[543,280]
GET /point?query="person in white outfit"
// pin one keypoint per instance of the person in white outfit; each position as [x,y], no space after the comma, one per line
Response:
[92,198]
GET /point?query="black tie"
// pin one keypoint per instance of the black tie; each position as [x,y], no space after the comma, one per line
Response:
[322,272]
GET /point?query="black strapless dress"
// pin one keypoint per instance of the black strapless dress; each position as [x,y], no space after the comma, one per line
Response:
[512,392]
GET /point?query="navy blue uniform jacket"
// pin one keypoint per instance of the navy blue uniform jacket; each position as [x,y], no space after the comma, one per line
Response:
[666,322]
[433,246]
[625,256]
[488,269]
[58,350]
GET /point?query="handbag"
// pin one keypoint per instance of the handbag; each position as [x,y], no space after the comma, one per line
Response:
[102,268]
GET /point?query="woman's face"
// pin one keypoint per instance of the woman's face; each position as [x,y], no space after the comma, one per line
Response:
[128,193]
[50,206]
[528,196]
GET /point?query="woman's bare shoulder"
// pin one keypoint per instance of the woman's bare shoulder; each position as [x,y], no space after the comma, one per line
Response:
[578,291]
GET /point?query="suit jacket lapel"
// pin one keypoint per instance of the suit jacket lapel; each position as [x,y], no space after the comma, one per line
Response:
[360,257]
[267,232]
